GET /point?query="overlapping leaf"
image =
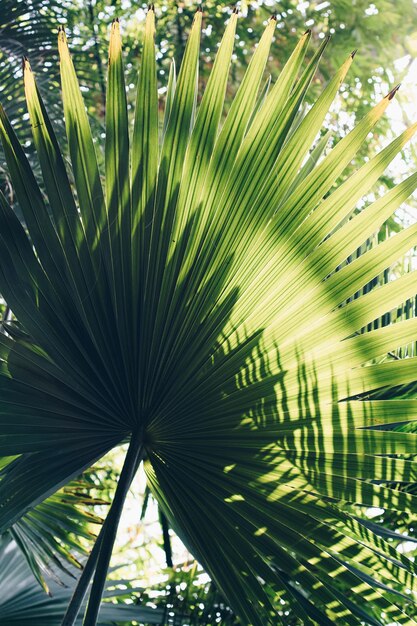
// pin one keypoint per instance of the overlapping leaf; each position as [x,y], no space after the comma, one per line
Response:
[22,601]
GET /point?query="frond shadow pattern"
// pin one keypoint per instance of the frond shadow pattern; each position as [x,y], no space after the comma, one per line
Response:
[193,304]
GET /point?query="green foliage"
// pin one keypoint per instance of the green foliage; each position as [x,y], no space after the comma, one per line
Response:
[22,602]
[27,28]
[199,305]
[192,600]
[52,532]
[379,30]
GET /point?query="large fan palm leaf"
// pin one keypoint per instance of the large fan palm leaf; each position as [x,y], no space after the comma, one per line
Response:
[193,306]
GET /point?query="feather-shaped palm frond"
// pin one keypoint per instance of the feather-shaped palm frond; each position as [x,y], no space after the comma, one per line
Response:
[192,305]
[22,601]
[55,535]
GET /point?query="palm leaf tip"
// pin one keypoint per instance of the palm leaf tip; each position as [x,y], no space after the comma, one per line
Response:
[201,304]
[390,95]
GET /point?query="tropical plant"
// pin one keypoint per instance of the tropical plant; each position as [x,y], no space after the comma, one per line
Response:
[197,307]
[22,602]
[26,28]
[57,533]
[190,598]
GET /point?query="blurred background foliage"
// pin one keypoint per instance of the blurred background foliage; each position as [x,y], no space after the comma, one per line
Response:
[385,34]
[382,31]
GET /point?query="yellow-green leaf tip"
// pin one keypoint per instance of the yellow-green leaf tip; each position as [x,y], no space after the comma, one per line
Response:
[393,91]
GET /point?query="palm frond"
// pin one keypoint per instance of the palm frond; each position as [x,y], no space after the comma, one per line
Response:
[22,601]
[26,29]
[198,305]
[54,537]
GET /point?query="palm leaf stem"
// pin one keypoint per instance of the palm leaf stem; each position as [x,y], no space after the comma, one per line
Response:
[99,558]
[83,582]
[133,459]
